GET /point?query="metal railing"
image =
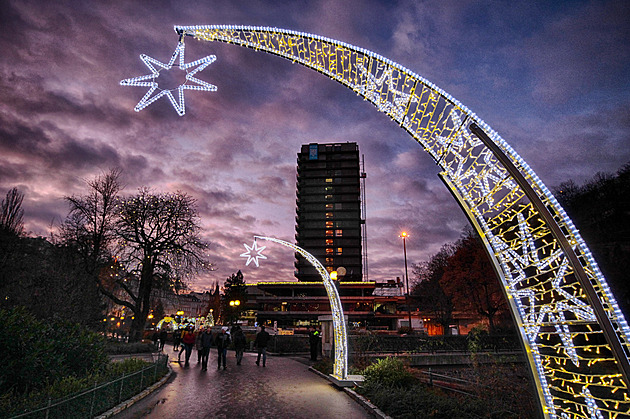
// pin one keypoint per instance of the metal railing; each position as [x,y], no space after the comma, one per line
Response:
[101,397]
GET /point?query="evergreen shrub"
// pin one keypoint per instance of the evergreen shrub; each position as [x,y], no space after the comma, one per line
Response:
[39,353]
[389,372]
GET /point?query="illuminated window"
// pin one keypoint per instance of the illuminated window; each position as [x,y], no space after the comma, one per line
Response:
[329,232]
[329,251]
[328,197]
[338,233]
[339,250]
[329,261]
[329,180]
[329,215]
[329,242]
[329,224]
[330,269]
[329,206]
[338,206]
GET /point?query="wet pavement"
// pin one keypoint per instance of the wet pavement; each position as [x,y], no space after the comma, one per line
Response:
[285,388]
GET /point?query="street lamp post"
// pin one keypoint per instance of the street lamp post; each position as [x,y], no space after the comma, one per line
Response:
[404,236]
[234,304]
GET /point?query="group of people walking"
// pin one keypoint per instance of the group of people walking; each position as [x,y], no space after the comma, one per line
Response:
[204,339]
[186,339]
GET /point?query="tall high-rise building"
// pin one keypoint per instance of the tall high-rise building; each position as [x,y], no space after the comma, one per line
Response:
[329,216]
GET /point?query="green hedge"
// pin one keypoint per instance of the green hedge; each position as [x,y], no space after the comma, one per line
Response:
[70,397]
[37,353]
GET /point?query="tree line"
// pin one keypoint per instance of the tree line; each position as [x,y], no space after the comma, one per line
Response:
[120,247]
[460,278]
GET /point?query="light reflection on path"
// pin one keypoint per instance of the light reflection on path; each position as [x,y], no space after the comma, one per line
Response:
[284,389]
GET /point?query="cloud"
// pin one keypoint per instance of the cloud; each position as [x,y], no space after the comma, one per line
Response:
[552,79]
[569,51]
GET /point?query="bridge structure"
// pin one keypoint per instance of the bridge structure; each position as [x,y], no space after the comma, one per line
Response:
[574,334]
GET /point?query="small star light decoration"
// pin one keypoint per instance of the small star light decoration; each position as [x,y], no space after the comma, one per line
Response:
[150,79]
[253,253]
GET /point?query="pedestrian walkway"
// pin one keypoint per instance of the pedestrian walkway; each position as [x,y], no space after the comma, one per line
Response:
[285,388]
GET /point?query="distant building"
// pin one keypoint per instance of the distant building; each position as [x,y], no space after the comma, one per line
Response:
[328,215]
[290,305]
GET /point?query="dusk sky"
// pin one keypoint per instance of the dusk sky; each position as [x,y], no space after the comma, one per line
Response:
[551,77]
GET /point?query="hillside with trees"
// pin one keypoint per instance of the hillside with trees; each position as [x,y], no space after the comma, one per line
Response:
[600,209]
[460,277]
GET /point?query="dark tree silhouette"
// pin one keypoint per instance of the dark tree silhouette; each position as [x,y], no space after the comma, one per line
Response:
[600,209]
[89,226]
[158,247]
[428,291]
[234,289]
[12,214]
[471,281]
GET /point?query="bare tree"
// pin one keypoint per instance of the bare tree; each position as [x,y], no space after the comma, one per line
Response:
[158,246]
[89,225]
[12,214]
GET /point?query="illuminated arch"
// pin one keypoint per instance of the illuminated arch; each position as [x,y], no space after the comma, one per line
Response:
[198,322]
[575,336]
[340,367]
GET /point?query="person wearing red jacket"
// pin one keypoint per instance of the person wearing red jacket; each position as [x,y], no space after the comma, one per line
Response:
[188,341]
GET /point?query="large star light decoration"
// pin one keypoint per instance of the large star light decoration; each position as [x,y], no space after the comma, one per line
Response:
[253,253]
[150,79]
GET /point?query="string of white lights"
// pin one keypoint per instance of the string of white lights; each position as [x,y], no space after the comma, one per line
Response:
[150,80]
[340,367]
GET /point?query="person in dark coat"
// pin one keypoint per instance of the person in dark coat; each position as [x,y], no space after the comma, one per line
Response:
[206,343]
[163,336]
[262,339]
[222,341]
[240,343]
[198,345]
[177,338]
[313,340]
[154,338]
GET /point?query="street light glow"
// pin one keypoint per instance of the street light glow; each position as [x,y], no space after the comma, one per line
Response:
[404,236]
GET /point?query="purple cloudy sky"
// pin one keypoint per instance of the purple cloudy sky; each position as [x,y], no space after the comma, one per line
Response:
[552,77]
